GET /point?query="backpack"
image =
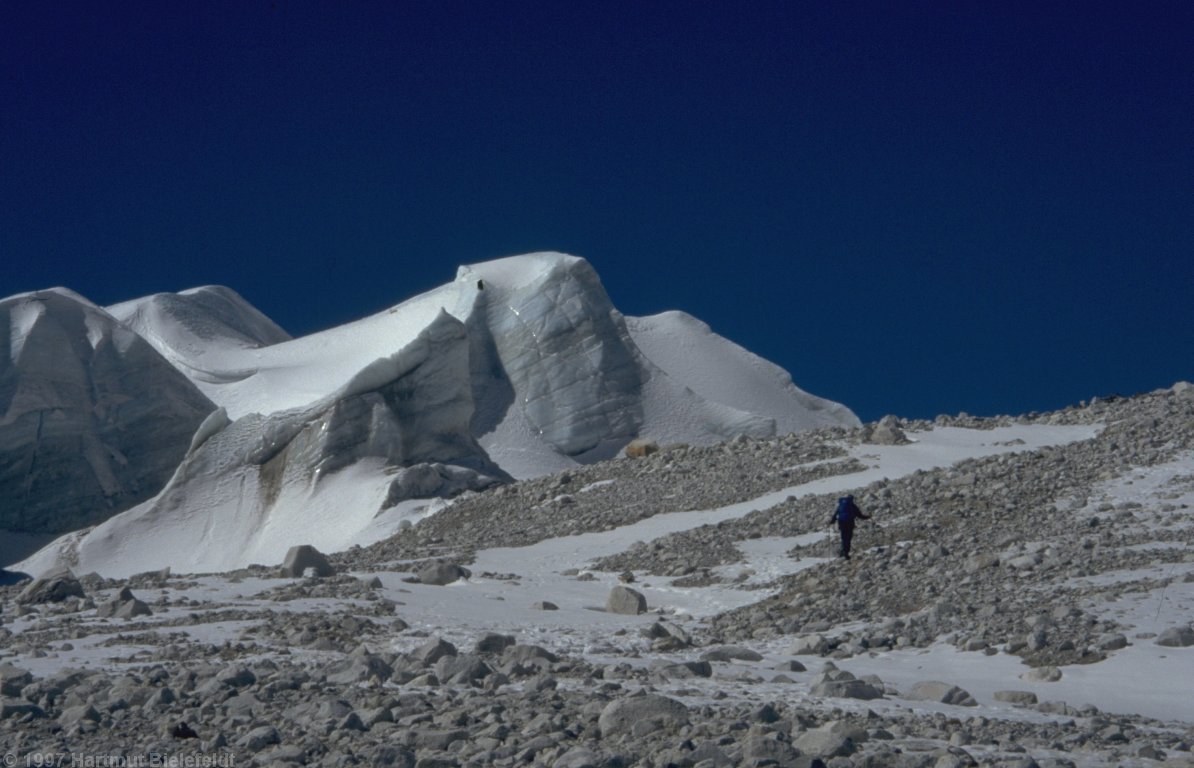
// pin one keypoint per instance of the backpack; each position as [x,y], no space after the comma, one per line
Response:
[845,510]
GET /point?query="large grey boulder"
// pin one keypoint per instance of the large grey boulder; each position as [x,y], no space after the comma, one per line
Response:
[358,667]
[641,715]
[464,669]
[944,693]
[833,739]
[92,418]
[53,587]
[123,606]
[1046,674]
[433,650]
[1176,637]
[493,642]
[625,600]
[13,679]
[839,683]
[846,689]
[886,432]
[303,556]
[731,653]
[1018,698]
[440,573]
[809,645]
[579,757]
[19,708]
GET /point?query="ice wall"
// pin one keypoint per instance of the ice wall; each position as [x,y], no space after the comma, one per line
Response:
[92,418]
[564,348]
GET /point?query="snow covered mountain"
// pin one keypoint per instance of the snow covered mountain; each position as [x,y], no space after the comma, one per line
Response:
[519,367]
[187,325]
[92,419]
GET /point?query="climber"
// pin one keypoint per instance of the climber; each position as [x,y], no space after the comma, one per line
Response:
[845,515]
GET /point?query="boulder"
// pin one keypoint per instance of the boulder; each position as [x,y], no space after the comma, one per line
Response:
[833,739]
[433,650]
[1112,641]
[545,605]
[123,606]
[641,715]
[303,556]
[19,708]
[75,715]
[810,645]
[1018,698]
[259,738]
[886,432]
[358,668]
[440,573]
[944,693]
[1177,637]
[492,642]
[132,609]
[767,750]
[462,669]
[684,670]
[237,676]
[521,653]
[846,689]
[626,601]
[1042,675]
[979,562]
[579,757]
[731,653]
[54,587]
[641,447]
[13,679]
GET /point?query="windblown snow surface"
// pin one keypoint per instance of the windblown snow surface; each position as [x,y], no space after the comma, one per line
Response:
[524,360]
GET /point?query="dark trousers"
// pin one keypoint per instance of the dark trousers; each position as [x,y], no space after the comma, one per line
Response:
[847,531]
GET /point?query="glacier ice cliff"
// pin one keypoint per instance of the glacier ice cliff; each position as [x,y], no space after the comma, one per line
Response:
[92,418]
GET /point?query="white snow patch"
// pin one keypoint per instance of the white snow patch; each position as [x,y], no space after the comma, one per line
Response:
[24,316]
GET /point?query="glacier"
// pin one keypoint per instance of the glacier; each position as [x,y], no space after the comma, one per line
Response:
[92,418]
[518,367]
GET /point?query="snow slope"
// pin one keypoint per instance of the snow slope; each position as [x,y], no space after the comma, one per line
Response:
[720,371]
[189,324]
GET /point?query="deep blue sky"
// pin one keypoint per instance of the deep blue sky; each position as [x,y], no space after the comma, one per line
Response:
[916,208]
